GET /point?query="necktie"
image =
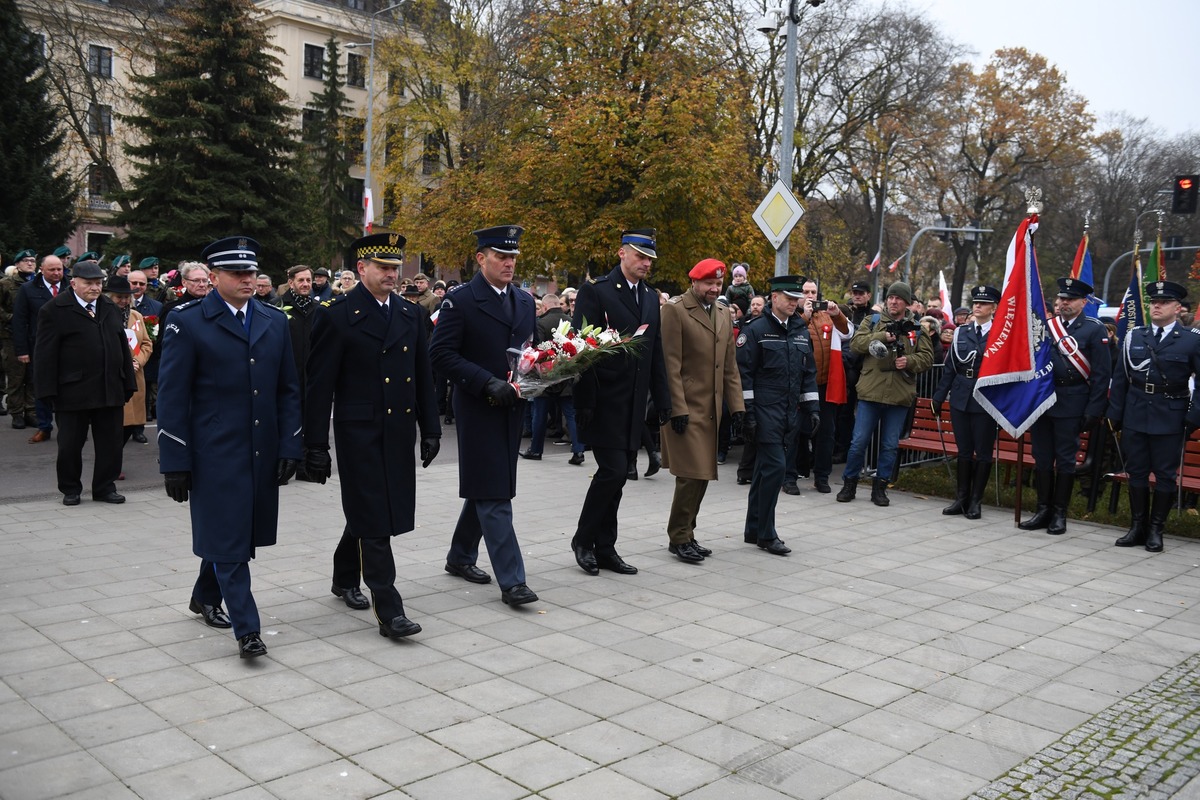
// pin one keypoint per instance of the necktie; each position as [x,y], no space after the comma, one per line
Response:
[1157,335]
[979,331]
[91,309]
[386,310]
[54,290]
[241,318]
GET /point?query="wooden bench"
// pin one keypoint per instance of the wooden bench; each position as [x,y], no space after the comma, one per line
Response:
[1188,478]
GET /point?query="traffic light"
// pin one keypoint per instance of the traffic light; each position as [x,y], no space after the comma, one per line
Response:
[1183,199]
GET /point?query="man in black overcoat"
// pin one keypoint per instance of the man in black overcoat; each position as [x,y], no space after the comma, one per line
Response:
[477,323]
[610,398]
[83,366]
[369,364]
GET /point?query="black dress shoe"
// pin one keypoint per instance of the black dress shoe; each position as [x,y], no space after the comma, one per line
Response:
[791,488]
[18,422]
[468,572]
[821,485]
[111,497]
[586,559]
[576,459]
[774,547]
[749,538]
[251,646]
[399,627]
[448,421]
[518,595]
[531,456]
[704,551]
[743,481]
[140,438]
[655,464]
[685,552]
[353,596]
[631,474]
[214,616]
[616,564]
[70,499]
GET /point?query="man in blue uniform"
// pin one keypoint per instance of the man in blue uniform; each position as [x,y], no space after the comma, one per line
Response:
[974,428]
[779,383]
[369,365]
[229,431]
[478,322]
[1082,365]
[610,398]
[1154,406]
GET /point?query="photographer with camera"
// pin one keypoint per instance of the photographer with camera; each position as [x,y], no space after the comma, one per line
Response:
[896,353]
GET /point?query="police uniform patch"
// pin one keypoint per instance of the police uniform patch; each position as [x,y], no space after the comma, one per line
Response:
[446,303]
[741,339]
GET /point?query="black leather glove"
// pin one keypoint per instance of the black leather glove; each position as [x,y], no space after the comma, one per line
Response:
[814,421]
[736,421]
[679,424]
[1088,422]
[317,464]
[287,468]
[936,406]
[664,416]
[430,446]
[583,417]
[1114,424]
[499,393]
[178,485]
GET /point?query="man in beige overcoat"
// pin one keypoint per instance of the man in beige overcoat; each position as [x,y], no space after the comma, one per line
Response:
[702,375]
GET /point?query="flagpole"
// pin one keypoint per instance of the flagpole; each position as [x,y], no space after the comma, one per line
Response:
[882,216]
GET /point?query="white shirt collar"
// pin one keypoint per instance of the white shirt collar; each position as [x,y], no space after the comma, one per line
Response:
[234,309]
[84,303]
[1166,329]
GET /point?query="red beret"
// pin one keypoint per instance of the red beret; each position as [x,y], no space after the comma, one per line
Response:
[706,269]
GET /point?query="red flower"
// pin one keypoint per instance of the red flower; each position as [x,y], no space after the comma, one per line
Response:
[569,349]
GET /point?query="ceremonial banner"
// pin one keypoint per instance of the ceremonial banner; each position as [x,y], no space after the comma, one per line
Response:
[1133,305]
[1081,268]
[1016,378]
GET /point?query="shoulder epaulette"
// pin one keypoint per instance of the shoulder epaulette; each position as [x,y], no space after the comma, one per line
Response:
[675,299]
[598,280]
[273,308]
[187,305]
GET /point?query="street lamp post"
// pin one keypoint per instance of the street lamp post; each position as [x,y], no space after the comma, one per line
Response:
[369,132]
[789,126]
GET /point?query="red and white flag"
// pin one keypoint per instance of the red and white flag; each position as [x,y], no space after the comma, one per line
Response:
[835,386]
[875,262]
[892,267]
[944,296]
[368,210]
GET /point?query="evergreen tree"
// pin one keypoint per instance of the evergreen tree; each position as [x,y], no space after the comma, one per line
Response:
[37,206]
[334,140]
[214,148]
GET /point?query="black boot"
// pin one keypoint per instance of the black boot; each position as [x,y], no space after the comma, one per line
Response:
[980,472]
[1063,487]
[849,487]
[655,464]
[963,467]
[1159,512]
[1139,505]
[879,492]
[1043,482]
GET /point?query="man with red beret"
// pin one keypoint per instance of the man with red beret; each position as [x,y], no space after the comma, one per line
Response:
[702,374]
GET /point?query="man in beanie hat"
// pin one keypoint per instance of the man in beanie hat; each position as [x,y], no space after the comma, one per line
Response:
[895,352]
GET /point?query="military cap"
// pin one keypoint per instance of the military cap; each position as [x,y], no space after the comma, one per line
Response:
[860,286]
[120,261]
[24,254]
[62,252]
[642,240]
[233,253]
[1073,288]
[90,255]
[89,270]
[707,269]
[501,238]
[421,276]
[383,248]
[148,262]
[984,294]
[1165,290]
[118,284]
[788,284]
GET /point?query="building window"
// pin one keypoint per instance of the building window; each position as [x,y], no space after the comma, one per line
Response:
[395,85]
[314,61]
[354,192]
[357,5]
[355,130]
[100,61]
[430,159]
[97,181]
[356,70]
[311,123]
[100,120]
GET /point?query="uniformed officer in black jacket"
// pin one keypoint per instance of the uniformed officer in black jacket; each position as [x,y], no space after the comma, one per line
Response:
[779,383]
[1154,406]
[369,365]
[477,324]
[1082,366]
[974,428]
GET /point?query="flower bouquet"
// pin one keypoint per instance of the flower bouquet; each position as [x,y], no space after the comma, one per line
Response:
[151,326]
[566,355]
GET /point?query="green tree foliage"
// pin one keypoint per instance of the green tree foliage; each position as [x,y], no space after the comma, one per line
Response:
[214,148]
[37,207]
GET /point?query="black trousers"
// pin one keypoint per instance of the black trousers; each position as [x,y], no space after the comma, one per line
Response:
[975,435]
[1149,452]
[1055,442]
[107,427]
[373,560]
[597,529]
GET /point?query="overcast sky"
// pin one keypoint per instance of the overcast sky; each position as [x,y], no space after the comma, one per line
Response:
[1142,56]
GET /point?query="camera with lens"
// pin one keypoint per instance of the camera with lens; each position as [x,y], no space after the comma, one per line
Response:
[899,328]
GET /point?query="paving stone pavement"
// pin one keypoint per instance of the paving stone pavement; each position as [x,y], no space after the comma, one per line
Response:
[896,653]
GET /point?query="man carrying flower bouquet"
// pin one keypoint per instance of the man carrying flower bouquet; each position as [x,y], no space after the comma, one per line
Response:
[477,324]
[610,398]
[697,336]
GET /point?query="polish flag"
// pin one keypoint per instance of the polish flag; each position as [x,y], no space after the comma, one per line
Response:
[875,263]
[368,210]
[835,386]
[892,267]
[944,295]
